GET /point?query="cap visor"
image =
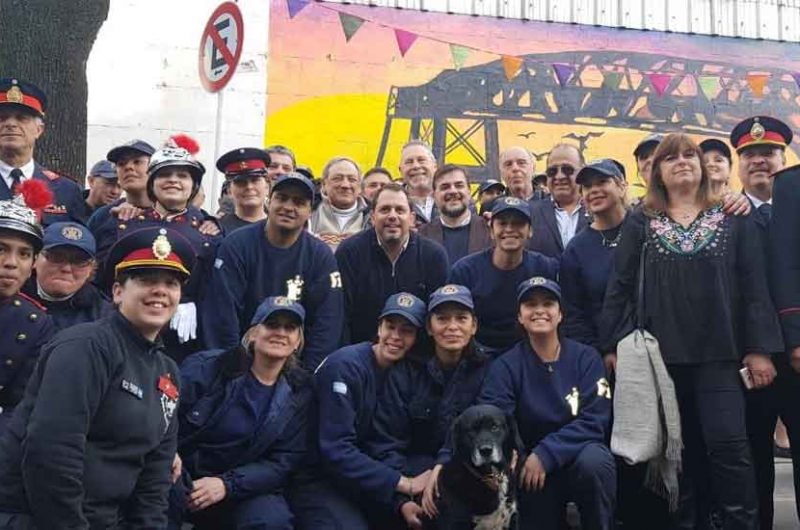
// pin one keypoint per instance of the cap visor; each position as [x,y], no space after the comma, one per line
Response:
[408,316]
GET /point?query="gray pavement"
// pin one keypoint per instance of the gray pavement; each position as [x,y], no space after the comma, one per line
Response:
[785,514]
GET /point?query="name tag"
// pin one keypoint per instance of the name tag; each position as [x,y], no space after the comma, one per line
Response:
[132,388]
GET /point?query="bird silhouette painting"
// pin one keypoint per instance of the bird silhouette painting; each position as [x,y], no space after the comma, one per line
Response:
[539,156]
[583,139]
[526,135]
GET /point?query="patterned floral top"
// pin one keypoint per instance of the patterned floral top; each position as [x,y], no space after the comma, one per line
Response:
[705,288]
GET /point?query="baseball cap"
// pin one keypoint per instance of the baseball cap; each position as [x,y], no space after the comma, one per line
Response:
[607,167]
[491,183]
[295,179]
[651,140]
[512,204]
[68,234]
[451,293]
[405,305]
[538,282]
[136,147]
[103,169]
[275,304]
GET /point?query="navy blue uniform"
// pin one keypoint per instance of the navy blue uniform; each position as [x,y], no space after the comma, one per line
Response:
[585,268]
[369,278]
[248,269]
[104,228]
[563,412]
[419,405]
[86,305]
[67,203]
[494,290]
[93,440]
[250,435]
[25,327]
[349,383]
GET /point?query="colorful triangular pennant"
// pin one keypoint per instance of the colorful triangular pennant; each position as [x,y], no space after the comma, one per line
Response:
[563,73]
[460,54]
[405,39]
[295,6]
[612,80]
[709,85]
[350,24]
[511,66]
[757,83]
[659,82]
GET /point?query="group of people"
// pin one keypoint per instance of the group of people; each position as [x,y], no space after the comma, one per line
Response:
[297,360]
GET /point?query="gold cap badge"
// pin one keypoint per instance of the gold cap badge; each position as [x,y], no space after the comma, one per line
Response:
[161,247]
[757,131]
[14,95]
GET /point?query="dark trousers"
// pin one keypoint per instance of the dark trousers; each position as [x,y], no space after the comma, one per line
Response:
[764,406]
[16,521]
[589,482]
[717,468]
[638,507]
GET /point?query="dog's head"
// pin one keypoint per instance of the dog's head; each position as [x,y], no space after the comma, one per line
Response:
[485,438]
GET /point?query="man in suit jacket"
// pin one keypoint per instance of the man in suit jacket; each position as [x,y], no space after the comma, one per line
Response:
[557,220]
[760,142]
[458,229]
[22,110]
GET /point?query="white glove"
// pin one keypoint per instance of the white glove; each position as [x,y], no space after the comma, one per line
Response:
[184,322]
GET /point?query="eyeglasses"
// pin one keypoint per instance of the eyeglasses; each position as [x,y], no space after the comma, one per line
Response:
[566,169]
[60,258]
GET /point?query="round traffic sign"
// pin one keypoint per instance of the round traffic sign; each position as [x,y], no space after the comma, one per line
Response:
[221,46]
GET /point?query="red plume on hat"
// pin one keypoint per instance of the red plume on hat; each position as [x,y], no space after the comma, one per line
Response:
[186,142]
[36,194]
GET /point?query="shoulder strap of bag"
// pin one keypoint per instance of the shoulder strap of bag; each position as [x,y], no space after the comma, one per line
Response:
[640,294]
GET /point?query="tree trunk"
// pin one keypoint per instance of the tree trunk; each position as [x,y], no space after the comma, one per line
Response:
[47,42]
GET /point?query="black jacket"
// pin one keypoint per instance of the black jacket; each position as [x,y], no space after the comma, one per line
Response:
[86,305]
[546,237]
[92,442]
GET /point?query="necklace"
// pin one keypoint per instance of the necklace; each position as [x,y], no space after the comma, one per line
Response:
[611,242]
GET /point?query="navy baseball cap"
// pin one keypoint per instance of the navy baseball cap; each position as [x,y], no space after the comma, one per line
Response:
[491,183]
[22,95]
[451,293]
[538,282]
[295,179]
[650,141]
[511,204]
[134,147]
[275,304]
[407,306]
[104,169]
[712,144]
[69,234]
[607,167]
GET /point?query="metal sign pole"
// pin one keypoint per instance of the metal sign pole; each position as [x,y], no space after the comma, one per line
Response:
[217,142]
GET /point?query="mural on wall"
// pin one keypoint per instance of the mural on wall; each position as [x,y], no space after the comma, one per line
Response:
[360,81]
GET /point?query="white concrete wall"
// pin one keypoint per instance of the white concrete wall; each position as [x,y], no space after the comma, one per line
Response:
[144,83]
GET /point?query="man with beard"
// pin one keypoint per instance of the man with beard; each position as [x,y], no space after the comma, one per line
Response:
[459,230]
[389,259]
[516,170]
[556,220]
[342,212]
[276,257]
[22,110]
[417,166]
[760,143]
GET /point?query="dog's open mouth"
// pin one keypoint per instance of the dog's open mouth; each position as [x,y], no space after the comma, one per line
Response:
[492,479]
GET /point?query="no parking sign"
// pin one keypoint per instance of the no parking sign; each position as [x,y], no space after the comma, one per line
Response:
[221,46]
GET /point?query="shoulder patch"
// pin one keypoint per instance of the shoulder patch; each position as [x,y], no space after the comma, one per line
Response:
[340,387]
[218,263]
[36,303]
[50,174]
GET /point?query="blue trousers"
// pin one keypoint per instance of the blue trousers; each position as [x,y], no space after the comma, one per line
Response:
[589,481]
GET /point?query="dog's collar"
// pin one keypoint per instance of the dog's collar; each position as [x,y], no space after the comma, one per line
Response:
[491,481]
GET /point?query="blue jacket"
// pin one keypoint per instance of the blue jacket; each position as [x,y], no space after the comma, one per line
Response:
[248,269]
[585,269]
[419,405]
[369,278]
[559,407]
[495,293]
[349,383]
[86,305]
[260,462]
[25,327]
[68,204]
[546,236]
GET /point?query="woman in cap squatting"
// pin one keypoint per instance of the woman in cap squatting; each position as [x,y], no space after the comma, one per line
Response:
[356,491]
[243,425]
[557,391]
[92,442]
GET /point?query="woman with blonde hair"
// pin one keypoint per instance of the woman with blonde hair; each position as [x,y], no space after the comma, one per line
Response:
[243,426]
[704,297]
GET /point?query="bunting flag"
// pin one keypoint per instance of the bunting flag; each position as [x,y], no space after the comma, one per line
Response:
[709,85]
[659,82]
[405,39]
[757,83]
[460,54]
[350,24]
[295,6]
[511,66]
[563,73]
[611,80]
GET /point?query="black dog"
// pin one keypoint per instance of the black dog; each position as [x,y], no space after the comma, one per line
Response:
[478,486]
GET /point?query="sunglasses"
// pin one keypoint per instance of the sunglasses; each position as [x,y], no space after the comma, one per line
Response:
[566,169]
[60,258]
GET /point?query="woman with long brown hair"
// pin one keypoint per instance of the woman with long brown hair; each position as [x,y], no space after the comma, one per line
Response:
[705,299]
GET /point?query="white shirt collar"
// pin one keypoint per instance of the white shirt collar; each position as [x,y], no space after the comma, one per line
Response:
[27,170]
[756,201]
